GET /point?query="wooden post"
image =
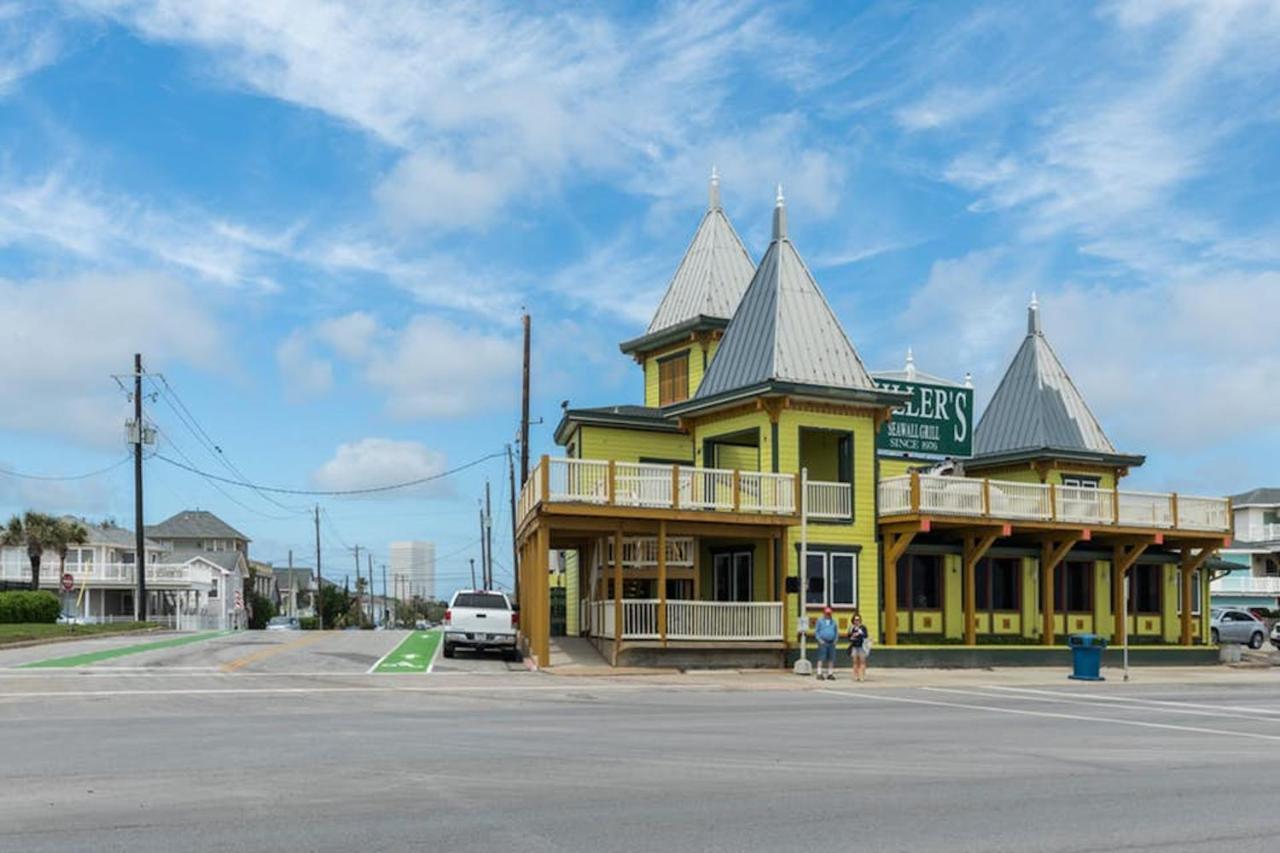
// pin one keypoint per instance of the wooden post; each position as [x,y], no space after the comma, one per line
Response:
[798,485]
[915,491]
[544,477]
[1186,598]
[617,593]
[1173,509]
[1120,615]
[662,583]
[1046,593]
[737,489]
[970,569]
[1053,501]
[986,496]
[611,487]
[1115,504]
[543,585]
[675,486]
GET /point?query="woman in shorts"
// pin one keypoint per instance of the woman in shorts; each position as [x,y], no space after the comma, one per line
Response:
[859,646]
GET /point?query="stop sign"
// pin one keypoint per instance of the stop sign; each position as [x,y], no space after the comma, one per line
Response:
[68,581]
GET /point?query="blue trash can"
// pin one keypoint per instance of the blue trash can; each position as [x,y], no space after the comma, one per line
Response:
[1086,656]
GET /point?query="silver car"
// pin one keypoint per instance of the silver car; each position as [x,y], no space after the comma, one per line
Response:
[1230,625]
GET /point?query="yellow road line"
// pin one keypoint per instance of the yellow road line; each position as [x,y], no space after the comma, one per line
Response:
[263,654]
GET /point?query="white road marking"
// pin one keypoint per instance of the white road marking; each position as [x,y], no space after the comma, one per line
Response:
[379,661]
[1077,699]
[266,691]
[1244,709]
[996,709]
[435,657]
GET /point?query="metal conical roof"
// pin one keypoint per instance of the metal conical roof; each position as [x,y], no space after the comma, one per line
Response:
[1037,406]
[713,274]
[784,331]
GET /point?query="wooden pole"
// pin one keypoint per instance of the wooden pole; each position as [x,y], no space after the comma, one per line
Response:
[524,409]
[662,583]
[617,593]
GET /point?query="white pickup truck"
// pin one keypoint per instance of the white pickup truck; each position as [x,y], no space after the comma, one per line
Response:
[481,619]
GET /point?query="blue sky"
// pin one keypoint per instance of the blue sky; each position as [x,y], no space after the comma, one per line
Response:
[320,221]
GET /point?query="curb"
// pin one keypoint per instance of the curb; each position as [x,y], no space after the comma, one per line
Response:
[53,641]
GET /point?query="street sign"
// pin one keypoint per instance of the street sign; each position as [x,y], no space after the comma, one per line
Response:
[937,420]
[67,581]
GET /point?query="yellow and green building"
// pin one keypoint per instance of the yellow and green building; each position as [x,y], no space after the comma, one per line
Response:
[762,479]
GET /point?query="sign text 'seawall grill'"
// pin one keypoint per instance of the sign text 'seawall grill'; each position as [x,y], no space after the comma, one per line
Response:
[938,420]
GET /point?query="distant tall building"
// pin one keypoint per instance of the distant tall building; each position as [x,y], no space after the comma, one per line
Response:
[416,563]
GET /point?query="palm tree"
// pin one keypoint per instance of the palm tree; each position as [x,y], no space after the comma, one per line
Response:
[34,530]
[65,533]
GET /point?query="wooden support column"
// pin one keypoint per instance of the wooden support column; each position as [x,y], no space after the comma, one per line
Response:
[1123,557]
[1052,553]
[543,586]
[895,545]
[662,583]
[617,593]
[1189,565]
[975,546]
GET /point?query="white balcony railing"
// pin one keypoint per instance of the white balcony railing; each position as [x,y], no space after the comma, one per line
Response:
[1003,499]
[655,486]
[833,501]
[1247,584]
[97,573]
[718,621]
[1258,532]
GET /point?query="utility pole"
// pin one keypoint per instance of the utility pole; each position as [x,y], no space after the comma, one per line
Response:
[483,556]
[515,556]
[372,588]
[473,572]
[140,539]
[384,593]
[488,538]
[524,409]
[319,580]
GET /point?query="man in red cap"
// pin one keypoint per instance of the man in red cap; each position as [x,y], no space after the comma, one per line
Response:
[826,632]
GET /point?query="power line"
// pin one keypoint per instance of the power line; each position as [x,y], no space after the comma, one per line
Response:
[202,436]
[244,484]
[51,478]
[212,481]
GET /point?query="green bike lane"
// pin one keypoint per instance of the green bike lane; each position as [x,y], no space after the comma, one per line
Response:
[415,654]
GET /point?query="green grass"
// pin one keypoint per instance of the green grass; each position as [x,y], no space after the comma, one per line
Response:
[25,632]
[105,654]
[415,654]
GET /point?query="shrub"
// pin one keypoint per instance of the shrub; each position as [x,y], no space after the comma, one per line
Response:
[261,610]
[308,623]
[29,606]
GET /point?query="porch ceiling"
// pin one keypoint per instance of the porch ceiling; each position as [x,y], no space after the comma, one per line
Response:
[943,525]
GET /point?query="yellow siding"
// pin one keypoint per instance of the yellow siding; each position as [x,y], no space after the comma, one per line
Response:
[862,531]
[1103,619]
[632,445]
[952,597]
[728,426]
[896,466]
[571,595]
[739,458]
[1030,597]
[697,369]
[1169,605]
[1024,474]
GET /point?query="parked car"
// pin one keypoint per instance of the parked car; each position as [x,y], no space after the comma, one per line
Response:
[479,620]
[1275,635]
[1237,626]
[284,623]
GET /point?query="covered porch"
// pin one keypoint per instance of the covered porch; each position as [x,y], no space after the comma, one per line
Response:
[660,590]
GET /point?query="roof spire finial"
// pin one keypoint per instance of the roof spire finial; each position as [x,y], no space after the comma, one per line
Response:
[714,193]
[1033,315]
[780,216]
[968,379]
[911,364]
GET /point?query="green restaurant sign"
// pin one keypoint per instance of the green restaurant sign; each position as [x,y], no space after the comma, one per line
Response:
[937,421]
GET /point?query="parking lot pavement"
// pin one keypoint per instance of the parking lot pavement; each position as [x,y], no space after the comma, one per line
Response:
[538,762]
[488,663]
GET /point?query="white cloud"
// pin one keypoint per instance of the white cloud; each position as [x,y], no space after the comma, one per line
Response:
[102,230]
[489,103]
[429,368]
[948,105]
[305,374]
[25,45]
[372,462]
[65,337]
[1168,368]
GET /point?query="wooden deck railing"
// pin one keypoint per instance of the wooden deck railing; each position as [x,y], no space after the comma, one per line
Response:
[1005,499]
[716,621]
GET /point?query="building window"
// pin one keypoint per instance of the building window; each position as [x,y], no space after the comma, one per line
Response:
[831,578]
[1144,588]
[731,573]
[920,582]
[1080,482]
[997,583]
[1073,587]
[673,378]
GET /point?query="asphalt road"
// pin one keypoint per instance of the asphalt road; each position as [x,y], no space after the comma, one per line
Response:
[193,757]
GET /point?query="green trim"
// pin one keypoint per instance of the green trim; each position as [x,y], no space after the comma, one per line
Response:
[414,654]
[107,654]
